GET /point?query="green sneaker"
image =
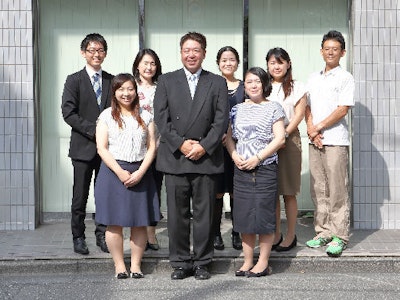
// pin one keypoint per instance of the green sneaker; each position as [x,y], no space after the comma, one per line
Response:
[317,242]
[336,247]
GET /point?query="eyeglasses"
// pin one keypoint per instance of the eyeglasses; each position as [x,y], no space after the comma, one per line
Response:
[93,51]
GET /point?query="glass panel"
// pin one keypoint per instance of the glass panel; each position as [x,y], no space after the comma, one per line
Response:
[167,20]
[298,27]
[63,25]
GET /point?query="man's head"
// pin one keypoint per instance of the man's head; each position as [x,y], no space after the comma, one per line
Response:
[193,50]
[94,50]
[332,49]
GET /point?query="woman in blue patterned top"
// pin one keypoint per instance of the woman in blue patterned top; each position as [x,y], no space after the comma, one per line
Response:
[255,134]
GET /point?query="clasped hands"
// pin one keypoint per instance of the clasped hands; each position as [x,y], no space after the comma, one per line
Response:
[315,136]
[130,179]
[192,149]
[245,164]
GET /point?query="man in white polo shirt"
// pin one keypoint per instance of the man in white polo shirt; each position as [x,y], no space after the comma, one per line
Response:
[330,96]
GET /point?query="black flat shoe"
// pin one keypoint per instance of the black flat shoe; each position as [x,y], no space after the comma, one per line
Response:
[154,247]
[277,244]
[136,275]
[218,243]
[123,275]
[241,273]
[236,241]
[279,248]
[266,272]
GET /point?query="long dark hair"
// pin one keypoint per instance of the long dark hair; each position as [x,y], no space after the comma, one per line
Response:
[117,82]
[264,78]
[139,58]
[281,55]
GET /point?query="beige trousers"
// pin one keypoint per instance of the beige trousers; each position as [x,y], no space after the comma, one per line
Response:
[329,181]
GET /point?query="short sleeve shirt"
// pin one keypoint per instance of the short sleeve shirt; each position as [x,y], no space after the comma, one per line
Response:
[288,103]
[327,91]
[128,143]
[252,127]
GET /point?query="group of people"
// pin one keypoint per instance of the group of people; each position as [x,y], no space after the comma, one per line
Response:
[206,135]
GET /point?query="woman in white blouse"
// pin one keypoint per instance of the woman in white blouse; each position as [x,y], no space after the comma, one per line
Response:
[291,95]
[125,191]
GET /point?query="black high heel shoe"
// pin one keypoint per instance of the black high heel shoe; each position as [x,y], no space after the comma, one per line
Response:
[279,248]
[277,244]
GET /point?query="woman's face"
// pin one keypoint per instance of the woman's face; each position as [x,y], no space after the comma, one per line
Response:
[277,69]
[253,86]
[228,63]
[126,94]
[147,68]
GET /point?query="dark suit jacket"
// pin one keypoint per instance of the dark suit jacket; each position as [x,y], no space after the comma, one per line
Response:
[80,111]
[178,118]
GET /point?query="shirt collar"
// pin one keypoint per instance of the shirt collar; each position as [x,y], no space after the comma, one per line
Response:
[91,72]
[188,74]
[332,71]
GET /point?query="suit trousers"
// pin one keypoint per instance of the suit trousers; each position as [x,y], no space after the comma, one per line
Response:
[180,190]
[329,182]
[83,172]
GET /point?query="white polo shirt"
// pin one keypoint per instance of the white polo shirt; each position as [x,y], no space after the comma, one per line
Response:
[327,91]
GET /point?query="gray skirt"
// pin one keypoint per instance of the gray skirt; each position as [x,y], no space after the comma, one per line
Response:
[255,194]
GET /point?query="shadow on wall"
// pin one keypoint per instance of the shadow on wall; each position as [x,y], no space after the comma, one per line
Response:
[371,181]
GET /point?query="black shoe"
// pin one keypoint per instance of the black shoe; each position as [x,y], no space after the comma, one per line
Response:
[277,244]
[218,242]
[180,273]
[80,246]
[137,275]
[241,273]
[279,248]
[266,272]
[123,275]
[101,242]
[154,247]
[236,241]
[201,273]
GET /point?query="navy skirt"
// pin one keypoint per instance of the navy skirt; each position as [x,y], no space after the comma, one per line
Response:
[127,207]
[255,196]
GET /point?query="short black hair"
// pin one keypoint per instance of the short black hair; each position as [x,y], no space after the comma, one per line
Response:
[195,36]
[93,37]
[334,35]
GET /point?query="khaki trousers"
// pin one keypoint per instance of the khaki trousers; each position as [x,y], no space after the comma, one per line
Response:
[329,181]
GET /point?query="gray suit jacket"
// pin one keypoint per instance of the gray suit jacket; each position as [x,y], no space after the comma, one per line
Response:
[178,118]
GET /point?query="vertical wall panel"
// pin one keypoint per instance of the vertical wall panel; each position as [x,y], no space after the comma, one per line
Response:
[63,25]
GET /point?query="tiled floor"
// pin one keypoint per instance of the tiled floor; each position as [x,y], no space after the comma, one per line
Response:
[54,241]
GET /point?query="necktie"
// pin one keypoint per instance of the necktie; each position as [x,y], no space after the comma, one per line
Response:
[97,87]
[192,84]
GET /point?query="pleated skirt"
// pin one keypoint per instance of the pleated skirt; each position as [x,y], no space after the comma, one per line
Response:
[127,207]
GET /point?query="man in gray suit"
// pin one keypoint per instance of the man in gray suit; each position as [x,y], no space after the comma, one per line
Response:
[191,112]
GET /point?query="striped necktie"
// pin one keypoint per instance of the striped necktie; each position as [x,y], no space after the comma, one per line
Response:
[97,87]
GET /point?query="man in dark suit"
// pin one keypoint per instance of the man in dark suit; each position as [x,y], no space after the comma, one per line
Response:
[191,112]
[86,93]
